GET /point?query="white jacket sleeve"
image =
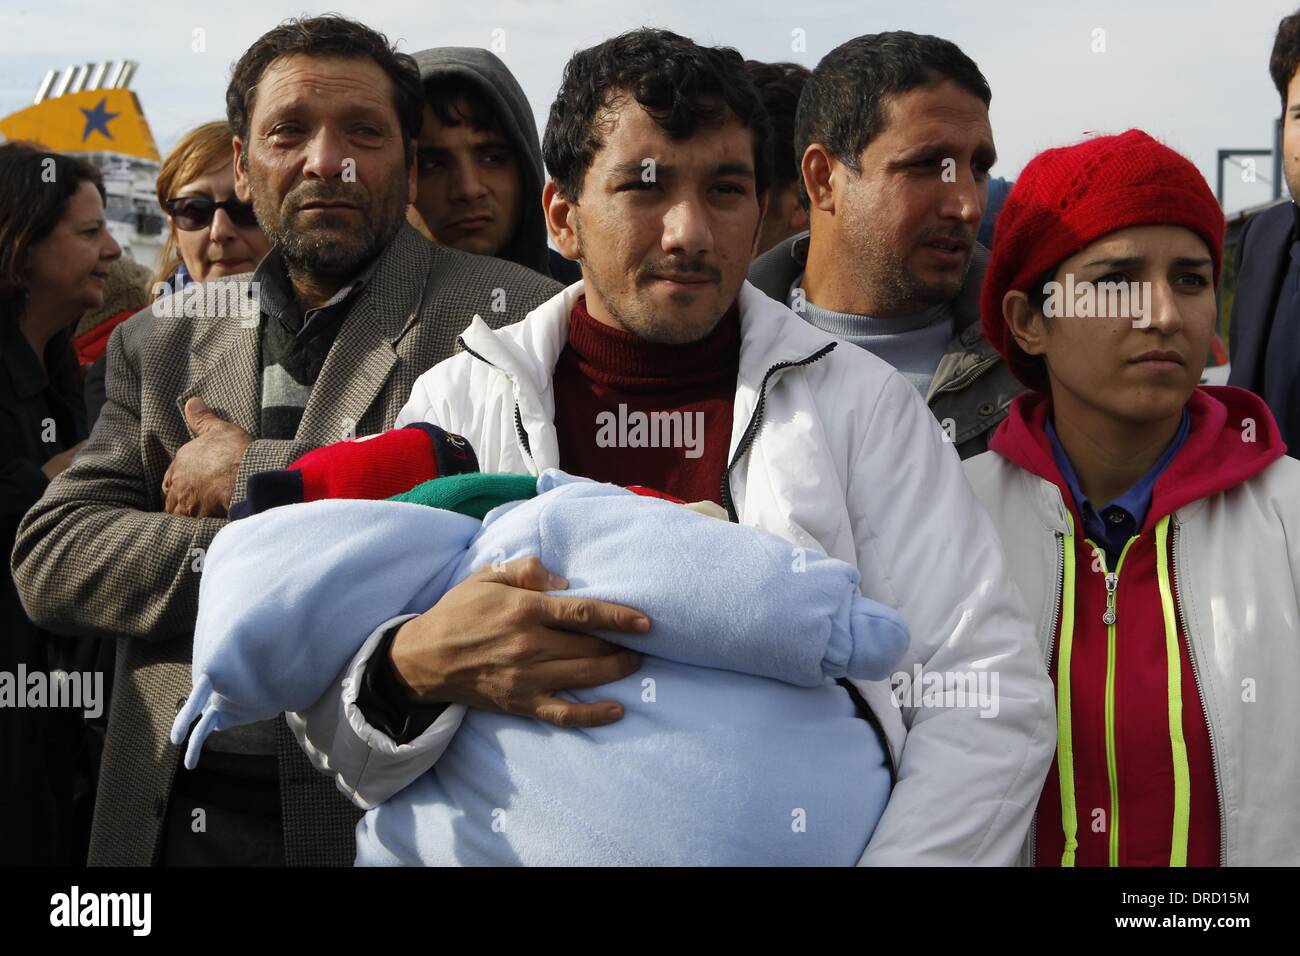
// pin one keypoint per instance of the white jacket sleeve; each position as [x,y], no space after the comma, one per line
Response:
[367,765]
[417,407]
[969,776]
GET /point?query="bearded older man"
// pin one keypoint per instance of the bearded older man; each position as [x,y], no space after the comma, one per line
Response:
[323,341]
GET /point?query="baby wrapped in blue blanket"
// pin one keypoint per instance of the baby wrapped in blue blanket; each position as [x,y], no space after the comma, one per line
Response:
[736,745]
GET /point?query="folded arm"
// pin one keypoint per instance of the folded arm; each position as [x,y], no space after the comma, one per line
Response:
[95,555]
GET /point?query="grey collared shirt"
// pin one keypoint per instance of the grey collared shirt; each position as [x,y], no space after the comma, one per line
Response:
[276,298]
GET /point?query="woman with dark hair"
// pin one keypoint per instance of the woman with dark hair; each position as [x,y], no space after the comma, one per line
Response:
[1152,524]
[55,249]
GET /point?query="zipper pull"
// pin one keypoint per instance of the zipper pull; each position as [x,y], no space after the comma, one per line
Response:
[1112,585]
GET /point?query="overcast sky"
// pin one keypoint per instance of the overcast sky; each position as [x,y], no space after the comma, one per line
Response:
[1193,73]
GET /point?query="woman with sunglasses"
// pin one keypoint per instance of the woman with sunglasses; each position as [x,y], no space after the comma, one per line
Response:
[213,234]
[1152,525]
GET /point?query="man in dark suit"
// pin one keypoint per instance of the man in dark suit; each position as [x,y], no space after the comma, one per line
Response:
[1264,337]
[245,374]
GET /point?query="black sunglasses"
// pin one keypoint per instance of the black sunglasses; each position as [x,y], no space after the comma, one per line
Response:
[191,213]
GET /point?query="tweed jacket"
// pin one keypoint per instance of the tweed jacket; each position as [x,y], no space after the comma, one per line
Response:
[98,556]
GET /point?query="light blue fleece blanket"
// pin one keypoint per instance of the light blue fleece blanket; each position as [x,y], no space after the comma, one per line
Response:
[736,746]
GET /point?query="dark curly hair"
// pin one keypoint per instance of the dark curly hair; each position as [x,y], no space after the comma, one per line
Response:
[841,106]
[779,84]
[1286,54]
[682,85]
[328,35]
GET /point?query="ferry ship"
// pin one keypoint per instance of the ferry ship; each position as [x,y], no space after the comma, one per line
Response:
[89,110]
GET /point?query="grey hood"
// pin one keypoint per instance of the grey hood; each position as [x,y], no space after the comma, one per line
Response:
[528,245]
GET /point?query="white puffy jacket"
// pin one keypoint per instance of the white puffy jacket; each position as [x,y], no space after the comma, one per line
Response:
[1236,561]
[832,450]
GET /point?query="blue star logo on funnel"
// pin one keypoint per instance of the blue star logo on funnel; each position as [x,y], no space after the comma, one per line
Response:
[97,120]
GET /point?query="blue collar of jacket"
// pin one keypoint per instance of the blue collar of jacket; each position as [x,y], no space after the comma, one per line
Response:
[1112,525]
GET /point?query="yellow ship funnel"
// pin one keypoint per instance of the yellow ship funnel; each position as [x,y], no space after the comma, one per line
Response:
[90,121]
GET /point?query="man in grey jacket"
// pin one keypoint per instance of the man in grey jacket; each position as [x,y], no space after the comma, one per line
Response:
[894,144]
[322,342]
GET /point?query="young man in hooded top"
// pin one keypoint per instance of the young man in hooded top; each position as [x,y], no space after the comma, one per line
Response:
[480,162]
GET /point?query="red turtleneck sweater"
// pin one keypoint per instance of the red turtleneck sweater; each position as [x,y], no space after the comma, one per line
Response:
[633,412]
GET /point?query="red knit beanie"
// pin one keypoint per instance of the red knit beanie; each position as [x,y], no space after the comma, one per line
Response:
[1068,198]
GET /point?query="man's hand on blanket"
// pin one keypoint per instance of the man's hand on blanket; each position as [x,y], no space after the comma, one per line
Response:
[494,642]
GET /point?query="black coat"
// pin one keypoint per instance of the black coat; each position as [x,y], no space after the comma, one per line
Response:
[46,757]
[1263,259]
[1262,264]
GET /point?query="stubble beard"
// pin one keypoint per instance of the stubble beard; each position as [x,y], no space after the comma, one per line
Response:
[643,323]
[329,253]
[886,280]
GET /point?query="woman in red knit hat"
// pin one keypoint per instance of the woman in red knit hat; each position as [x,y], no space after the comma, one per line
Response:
[1152,524]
